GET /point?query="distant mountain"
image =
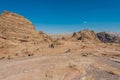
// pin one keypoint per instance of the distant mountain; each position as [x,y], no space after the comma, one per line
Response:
[18,34]
[91,36]
[108,37]
[86,36]
[113,33]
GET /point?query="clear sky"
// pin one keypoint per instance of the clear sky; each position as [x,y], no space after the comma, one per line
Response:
[64,16]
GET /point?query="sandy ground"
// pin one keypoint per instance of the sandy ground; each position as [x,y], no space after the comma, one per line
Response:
[66,66]
[66,61]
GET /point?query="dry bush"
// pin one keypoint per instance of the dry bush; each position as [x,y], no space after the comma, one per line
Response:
[9,57]
[72,66]
[69,50]
[52,45]
[55,44]
[23,40]
[86,53]
[2,58]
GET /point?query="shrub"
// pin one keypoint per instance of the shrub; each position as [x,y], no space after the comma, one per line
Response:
[9,57]
[2,58]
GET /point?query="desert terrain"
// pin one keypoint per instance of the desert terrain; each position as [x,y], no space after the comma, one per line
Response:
[26,54]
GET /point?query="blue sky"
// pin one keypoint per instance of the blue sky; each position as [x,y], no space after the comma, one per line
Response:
[65,16]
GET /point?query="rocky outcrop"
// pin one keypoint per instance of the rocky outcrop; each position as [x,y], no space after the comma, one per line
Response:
[18,35]
[16,27]
[86,36]
[91,36]
[106,37]
[46,37]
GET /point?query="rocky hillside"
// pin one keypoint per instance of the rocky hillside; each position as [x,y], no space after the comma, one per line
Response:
[91,36]
[86,36]
[16,27]
[18,35]
[107,37]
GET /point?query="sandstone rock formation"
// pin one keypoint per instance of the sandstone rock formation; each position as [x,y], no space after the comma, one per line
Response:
[13,26]
[91,36]
[16,27]
[17,31]
[86,36]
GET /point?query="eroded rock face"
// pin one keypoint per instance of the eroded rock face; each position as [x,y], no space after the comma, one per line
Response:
[14,26]
[86,36]
[106,37]
[91,36]
[18,34]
